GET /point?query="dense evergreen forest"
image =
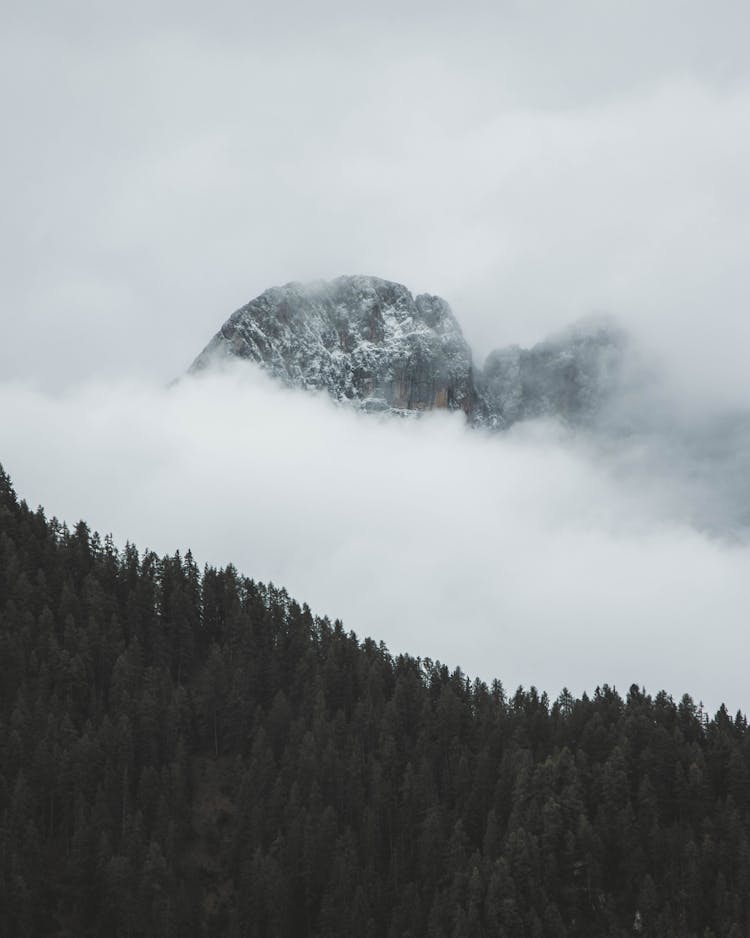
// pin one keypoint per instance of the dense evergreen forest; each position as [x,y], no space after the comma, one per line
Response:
[187,753]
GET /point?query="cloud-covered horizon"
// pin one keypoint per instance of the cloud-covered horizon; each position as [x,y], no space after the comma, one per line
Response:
[522,556]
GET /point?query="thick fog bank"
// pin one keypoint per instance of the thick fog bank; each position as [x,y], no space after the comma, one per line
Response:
[522,556]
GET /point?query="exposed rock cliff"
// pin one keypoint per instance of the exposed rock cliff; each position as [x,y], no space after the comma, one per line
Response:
[362,339]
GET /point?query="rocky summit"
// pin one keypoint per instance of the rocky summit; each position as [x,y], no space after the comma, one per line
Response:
[361,339]
[371,343]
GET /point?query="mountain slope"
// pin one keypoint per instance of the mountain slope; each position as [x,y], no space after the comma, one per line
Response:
[196,754]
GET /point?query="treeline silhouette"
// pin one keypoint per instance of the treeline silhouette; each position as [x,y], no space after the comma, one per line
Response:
[187,753]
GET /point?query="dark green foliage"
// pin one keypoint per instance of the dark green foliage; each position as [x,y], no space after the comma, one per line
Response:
[197,755]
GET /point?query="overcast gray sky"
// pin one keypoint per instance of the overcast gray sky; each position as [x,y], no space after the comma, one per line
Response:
[532,162]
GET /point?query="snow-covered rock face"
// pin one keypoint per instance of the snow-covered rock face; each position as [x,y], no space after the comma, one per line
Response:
[364,340]
[371,343]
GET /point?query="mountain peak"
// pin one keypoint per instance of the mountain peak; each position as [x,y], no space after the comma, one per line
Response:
[362,339]
[373,344]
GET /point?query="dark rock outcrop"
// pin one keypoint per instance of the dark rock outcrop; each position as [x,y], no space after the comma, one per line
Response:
[570,376]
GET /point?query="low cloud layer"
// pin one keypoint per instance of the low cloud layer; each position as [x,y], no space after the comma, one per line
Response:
[525,556]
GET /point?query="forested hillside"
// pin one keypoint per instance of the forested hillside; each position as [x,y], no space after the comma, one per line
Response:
[193,753]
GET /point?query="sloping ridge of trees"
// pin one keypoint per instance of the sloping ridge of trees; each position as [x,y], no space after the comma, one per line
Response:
[193,753]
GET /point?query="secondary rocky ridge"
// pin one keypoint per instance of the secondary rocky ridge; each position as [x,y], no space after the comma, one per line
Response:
[371,343]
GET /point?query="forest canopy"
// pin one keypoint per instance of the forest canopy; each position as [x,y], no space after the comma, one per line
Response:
[190,752]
